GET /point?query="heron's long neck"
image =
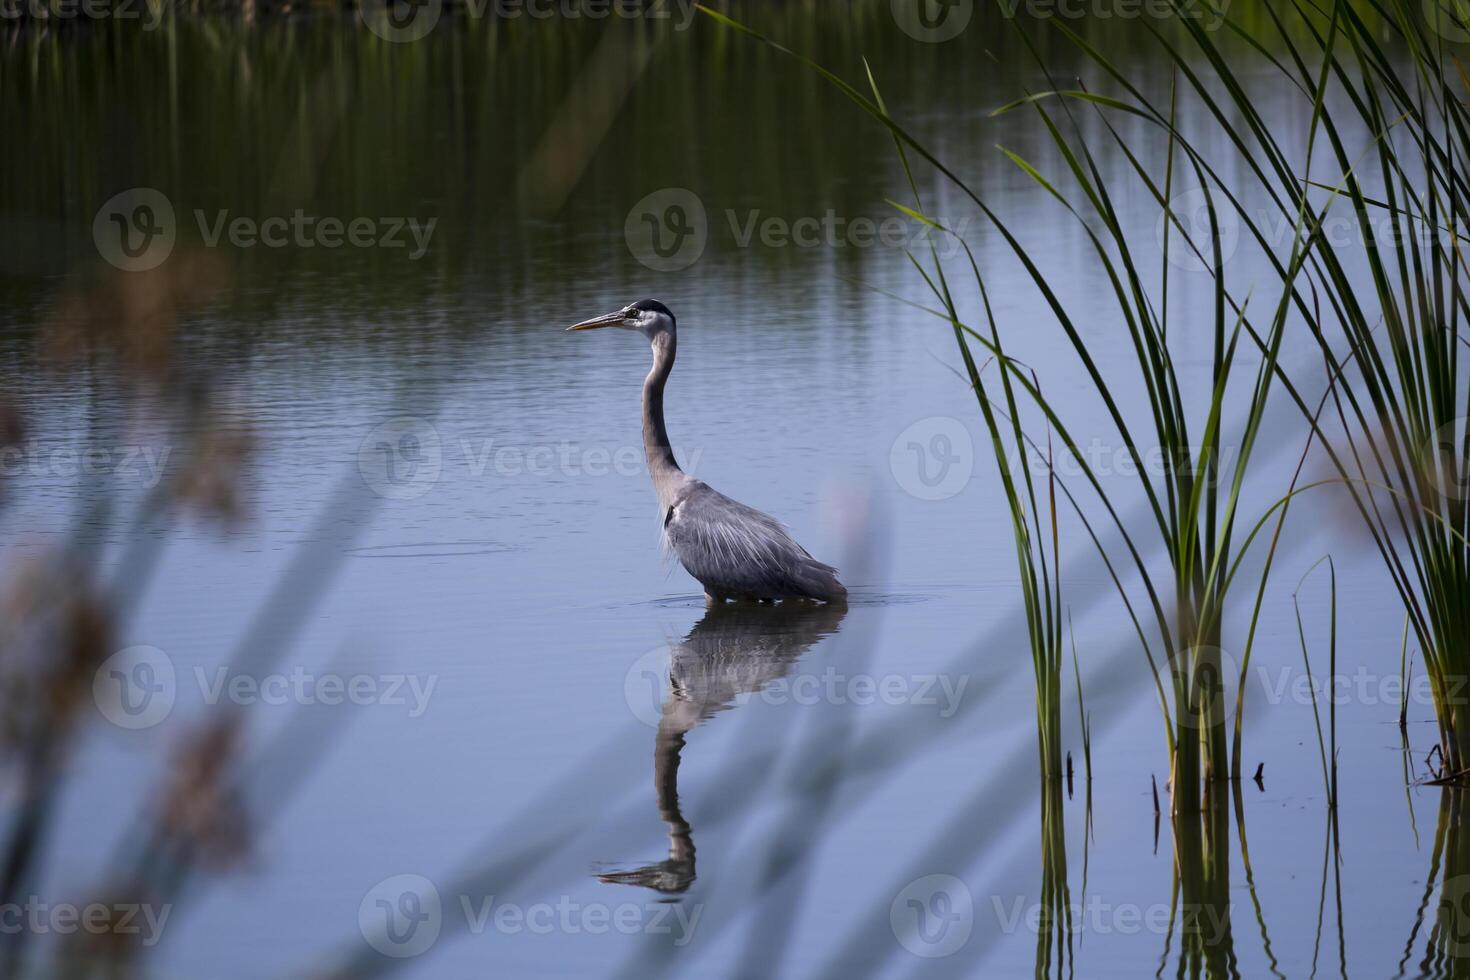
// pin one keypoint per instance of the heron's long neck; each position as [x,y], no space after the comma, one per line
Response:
[661,464]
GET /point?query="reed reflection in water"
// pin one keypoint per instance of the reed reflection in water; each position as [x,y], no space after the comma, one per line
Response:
[736,650]
[1447,947]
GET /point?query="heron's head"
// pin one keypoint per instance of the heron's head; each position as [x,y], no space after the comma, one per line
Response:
[647,316]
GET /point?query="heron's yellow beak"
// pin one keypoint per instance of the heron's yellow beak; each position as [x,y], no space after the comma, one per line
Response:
[606,320]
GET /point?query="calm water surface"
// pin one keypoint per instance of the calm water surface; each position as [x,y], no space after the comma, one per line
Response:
[594,773]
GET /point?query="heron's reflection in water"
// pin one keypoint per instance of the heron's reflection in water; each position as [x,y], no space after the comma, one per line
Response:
[736,649]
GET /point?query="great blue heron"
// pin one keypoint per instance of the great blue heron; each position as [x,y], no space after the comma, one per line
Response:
[735,551]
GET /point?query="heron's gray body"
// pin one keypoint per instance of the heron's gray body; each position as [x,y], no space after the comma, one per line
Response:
[735,551]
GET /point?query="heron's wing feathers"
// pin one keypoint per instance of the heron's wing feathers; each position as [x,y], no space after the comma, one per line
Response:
[736,550]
